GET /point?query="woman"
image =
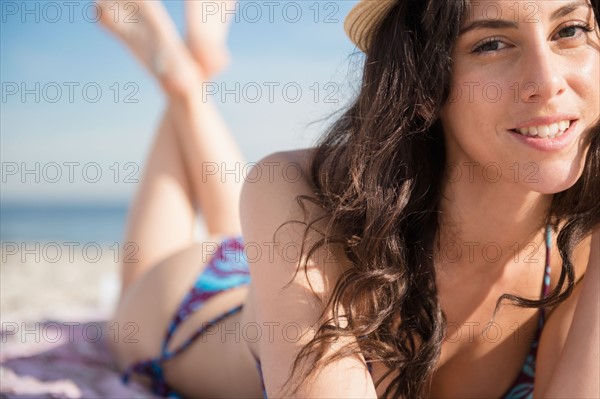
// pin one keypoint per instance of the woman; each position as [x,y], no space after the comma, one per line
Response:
[464,178]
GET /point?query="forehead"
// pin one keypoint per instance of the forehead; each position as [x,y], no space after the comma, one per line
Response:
[521,10]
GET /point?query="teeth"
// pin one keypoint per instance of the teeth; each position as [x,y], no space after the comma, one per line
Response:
[563,125]
[546,131]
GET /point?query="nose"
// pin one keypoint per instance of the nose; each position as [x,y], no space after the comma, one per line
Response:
[544,75]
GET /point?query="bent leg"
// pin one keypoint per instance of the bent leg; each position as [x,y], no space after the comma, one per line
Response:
[175,181]
[162,216]
[192,143]
[192,139]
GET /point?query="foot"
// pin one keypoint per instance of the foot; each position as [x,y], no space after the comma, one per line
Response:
[207,28]
[147,30]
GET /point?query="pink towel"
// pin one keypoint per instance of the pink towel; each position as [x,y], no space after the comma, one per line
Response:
[61,360]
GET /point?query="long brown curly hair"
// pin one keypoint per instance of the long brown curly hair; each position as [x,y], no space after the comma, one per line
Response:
[369,176]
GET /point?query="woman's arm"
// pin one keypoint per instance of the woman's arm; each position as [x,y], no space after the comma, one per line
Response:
[575,371]
[281,315]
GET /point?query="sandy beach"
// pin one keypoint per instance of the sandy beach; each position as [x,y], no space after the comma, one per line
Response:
[57,281]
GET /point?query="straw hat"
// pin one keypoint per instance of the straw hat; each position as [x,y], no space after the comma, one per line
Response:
[364,19]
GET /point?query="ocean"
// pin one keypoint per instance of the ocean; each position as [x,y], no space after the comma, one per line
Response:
[98,223]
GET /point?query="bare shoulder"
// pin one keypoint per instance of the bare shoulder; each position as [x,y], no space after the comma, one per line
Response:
[285,170]
[273,184]
[558,322]
[291,305]
[300,156]
[270,210]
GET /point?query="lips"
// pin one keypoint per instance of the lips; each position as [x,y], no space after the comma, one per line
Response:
[559,142]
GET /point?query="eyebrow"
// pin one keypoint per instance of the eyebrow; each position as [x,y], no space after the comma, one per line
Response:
[503,24]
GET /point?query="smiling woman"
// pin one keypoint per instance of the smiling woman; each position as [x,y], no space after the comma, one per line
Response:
[544,63]
[435,197]
[445,83]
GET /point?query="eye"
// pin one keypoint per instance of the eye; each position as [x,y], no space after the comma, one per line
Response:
[571,30]
[488,46]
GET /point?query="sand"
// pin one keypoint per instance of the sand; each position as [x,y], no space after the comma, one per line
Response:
[50,281]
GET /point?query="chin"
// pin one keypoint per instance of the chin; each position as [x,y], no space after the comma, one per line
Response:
[554,181]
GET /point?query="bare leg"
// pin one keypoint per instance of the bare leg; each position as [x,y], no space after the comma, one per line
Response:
[191,137]
[161,218]
[191,142]
[207,28]
[148,31]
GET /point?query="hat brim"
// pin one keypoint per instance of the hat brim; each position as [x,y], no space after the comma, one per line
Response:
[364,19]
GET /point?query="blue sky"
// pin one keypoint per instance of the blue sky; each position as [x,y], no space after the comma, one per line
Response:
[53,150]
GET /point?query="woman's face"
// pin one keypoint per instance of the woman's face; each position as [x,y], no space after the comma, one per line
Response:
[525,89]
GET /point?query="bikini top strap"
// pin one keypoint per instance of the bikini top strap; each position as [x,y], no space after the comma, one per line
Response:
[547,266]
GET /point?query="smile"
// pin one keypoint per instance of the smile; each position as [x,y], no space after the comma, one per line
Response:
[548,138]
[545,131]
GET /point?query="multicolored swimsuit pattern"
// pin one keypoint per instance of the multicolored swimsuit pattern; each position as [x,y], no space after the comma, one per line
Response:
[228,269]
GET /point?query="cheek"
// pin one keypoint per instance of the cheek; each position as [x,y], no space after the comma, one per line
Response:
[476,103]
[481,90]
[468,123]
[588,84]
[584,71]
